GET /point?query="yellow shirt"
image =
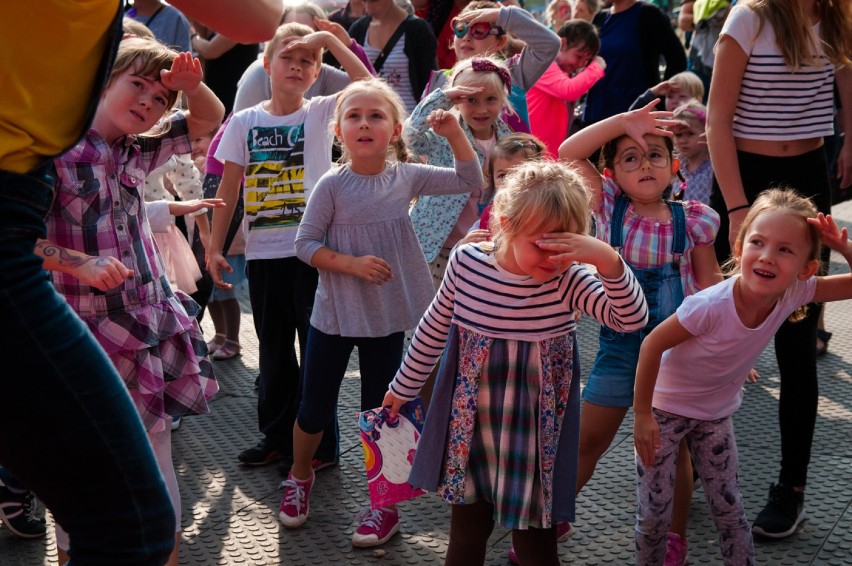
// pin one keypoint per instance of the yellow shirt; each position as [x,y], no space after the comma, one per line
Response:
[50,51]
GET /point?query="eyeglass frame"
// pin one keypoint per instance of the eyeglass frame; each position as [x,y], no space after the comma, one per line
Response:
[643,156]
[462,28]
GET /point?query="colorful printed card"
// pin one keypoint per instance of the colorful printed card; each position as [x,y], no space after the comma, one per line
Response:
[389,447]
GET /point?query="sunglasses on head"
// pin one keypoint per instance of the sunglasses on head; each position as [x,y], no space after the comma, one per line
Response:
[479,30]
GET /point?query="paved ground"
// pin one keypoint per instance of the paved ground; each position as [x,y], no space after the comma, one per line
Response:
[230,512]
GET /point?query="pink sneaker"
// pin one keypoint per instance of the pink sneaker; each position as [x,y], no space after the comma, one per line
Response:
[563,533]
[295,506]
[376,528]
[676,550]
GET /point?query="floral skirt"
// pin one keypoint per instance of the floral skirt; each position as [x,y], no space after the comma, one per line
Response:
[161,355]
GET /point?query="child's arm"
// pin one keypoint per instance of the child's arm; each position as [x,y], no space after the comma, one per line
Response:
[205,109]
[416,129]
[101,272]
[229,191]
[559,85]
[705,266]
[636,123]
[326,40]
[541,47]
[646,432]
[446,125]
[340,33]
[833,287]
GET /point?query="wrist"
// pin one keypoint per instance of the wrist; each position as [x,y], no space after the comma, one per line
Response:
[739,208]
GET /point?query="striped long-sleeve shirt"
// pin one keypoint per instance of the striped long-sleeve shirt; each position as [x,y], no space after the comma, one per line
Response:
[479,295]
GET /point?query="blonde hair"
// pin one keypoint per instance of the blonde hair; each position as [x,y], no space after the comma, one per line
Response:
[283,32]
[540,195]
[305,7]
[380,89]
[794,33]
[146,58]
[465,75]
[787,201]
[690,83]
[551,12]
[693,113]
[132,28]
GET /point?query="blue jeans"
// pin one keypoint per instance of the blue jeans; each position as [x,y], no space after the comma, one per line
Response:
[68,429]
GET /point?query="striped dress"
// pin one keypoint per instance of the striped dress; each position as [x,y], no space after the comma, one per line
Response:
[494,428]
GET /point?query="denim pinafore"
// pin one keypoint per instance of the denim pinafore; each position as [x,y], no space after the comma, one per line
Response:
[613,375]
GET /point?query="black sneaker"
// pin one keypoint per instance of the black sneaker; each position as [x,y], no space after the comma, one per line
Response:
[18,512]
[260,455]
[782,514]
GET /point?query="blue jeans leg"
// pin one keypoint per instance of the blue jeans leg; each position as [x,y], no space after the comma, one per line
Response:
[68,429]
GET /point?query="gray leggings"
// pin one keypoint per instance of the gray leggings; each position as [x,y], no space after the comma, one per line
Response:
[714,455]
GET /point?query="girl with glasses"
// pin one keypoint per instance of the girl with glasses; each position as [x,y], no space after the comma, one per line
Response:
[669,247]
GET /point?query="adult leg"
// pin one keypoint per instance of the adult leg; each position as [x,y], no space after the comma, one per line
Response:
[536,547]
[470,527]
[115,506]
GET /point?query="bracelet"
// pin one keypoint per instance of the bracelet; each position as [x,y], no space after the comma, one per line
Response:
[736,208]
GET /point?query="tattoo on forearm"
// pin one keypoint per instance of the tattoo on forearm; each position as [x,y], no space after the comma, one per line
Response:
[65,257]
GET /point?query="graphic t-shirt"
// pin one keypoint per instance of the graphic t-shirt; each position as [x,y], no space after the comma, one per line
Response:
[282,164]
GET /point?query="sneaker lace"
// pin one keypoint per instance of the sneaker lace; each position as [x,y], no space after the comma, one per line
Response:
[28,508]
[294,494]
[371,518]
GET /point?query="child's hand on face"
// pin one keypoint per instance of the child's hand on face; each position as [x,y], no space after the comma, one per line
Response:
[600,61]
[444,123]
[570,247]
[831,234]
[661,89]
[487,15]
[646,437]
[646,120]
[312,41]
[460,94]
[102,272]
[371,269]
[185,74]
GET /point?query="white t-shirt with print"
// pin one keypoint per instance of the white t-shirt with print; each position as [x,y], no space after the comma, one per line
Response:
[284,157]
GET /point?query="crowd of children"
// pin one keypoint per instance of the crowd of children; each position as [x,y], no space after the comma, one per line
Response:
[467,221]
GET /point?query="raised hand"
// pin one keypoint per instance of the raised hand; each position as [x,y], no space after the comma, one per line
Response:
[334,29]
[487,15]
[460,94]
[185,73]
[444,123]
[569,247]
[646,120]
[831,234]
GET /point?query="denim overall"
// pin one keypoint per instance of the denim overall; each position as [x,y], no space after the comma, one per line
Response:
[614,372]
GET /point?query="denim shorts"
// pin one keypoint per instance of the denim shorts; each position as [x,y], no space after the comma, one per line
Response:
[611,381]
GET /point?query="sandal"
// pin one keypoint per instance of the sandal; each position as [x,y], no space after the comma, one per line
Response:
[822,336]
[215,343]
[230,349]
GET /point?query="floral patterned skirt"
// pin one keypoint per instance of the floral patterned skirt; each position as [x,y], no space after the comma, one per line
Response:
[508,405]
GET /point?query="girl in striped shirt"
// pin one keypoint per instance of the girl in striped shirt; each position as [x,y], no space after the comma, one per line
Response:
[503,422]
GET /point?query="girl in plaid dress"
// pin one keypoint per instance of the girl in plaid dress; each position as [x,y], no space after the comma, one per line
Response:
[102,255]
[500,439]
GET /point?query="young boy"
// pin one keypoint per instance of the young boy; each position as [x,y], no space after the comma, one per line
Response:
[550,116]
[679,89]
[282,146]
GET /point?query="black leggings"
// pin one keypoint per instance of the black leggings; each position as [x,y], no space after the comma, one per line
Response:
[470,527]
[795,343]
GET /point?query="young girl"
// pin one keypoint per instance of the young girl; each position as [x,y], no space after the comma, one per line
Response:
[101,252]
[493,443]
[480,30]
[373,282]
[692,152]
[668,246]
[479,90]
[757,140]
[692,367]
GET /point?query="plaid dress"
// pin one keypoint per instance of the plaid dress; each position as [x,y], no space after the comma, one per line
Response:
[148,330]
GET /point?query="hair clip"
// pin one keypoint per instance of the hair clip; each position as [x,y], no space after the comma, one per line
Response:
[484,65]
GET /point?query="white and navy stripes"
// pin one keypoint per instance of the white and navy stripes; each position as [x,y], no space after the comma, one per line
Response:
[479,295]
[775,102]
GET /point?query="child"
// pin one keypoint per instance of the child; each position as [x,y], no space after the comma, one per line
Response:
[480,88]
[668,245]
[692,367]
[101,252]
[692,151]
[480,30]
[282,146]
[373,282]
[551,100]
[493,443]
[586,9]
[679,89]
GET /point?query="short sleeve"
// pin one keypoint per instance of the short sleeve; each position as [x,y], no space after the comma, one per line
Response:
[742,25]
[803,292]
[702,223]
[697,315]
[233,147]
